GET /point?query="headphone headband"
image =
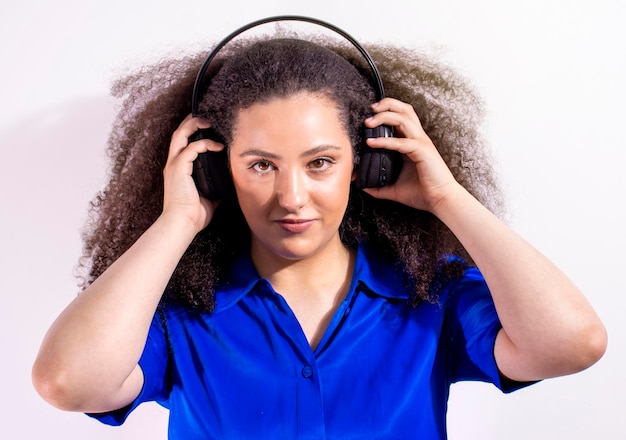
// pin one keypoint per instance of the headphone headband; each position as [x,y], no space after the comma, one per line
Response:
[196,88]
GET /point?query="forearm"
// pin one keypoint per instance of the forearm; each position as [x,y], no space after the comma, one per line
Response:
[93,347]
[549,328]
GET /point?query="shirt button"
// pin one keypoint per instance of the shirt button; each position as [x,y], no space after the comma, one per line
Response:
[307,371]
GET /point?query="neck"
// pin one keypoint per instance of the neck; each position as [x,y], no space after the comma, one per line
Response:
[329,270]
[313,287]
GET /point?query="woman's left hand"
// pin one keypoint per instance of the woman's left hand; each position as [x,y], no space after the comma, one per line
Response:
[425,178]
[548,327]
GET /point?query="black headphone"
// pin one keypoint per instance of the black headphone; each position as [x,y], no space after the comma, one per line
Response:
[376,167]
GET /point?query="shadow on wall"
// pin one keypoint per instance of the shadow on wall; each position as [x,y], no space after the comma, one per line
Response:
[55,159]
[53,163]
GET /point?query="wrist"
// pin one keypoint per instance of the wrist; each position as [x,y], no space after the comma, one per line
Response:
[449,200]
[179,227]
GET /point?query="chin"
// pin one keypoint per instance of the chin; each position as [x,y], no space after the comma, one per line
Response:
[292,249]
[292,254]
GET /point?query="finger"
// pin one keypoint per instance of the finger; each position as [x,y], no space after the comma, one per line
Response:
[180,137]
[395,105]
[402,126]
[402,145]
[414,150]
[183,163]
[384,192]
[398,114]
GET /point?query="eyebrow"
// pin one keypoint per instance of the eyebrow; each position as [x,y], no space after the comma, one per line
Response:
[310,152]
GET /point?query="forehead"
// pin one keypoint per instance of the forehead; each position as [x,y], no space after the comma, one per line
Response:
[303,98]
[303,118]
[303,109]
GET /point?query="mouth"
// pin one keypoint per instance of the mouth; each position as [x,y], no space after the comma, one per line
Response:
[295,226]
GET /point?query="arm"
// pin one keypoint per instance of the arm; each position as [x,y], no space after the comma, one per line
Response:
[548,327]
[88,359]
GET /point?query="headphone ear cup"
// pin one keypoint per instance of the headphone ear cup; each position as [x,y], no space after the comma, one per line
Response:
[377,167]
[211,175]
[210,170]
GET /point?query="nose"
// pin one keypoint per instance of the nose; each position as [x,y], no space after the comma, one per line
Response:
[291,190]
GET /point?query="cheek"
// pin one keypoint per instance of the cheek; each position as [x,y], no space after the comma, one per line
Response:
[252,195]
[335,192]
[246,193]
[252,209]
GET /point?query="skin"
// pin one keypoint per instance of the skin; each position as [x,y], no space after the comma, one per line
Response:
[549,329]
[293,182]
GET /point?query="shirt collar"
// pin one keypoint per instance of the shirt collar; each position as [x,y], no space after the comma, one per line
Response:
[241,279]
[378,275]
[371,272]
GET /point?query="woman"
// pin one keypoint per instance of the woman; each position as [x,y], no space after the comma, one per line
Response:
[304,307]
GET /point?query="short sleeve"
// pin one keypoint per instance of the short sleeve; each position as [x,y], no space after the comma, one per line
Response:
[472,325]
[153,364]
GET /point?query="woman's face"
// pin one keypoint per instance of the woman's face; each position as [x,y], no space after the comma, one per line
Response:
[291,161]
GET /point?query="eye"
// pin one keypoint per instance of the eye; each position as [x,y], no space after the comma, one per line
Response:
[261,166]
[320,163]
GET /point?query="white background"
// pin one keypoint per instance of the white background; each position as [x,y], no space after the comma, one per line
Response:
[551,72]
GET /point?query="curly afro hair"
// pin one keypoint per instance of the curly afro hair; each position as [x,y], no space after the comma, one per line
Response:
[155,99]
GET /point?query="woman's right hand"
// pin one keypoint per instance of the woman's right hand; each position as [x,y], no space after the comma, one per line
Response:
[181,196]
[81,365]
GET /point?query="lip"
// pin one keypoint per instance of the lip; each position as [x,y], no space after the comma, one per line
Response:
[295,226]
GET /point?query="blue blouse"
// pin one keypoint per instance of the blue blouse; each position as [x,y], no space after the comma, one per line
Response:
[383,369]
